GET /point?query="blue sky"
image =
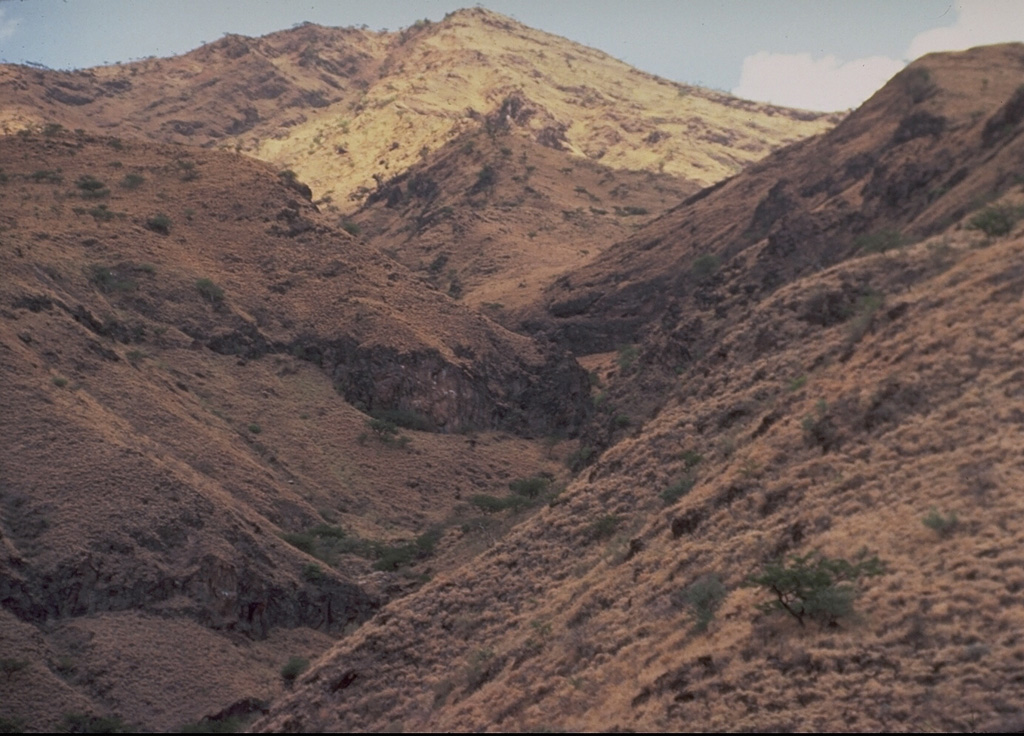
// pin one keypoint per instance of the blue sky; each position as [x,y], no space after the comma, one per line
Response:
[819,54]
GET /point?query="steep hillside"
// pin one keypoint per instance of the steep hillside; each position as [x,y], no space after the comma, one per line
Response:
[346,108]
[833,340]
[191,487]
[494,217]
[940,140]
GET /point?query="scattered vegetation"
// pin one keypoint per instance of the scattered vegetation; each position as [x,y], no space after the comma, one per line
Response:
[60,381]
[10,666]
[210,291]
[679,488]
[996,220]
[255,428]
[943,525]
[295,667]
[405,418]
[351,228]
[132,181]
[879,242]
[46,176]
[392,557]
[705,266]
[603,527]
[85,723]
[627,356]
[813,586]
[92,188]
[109,281]
[159,223]
[702,598]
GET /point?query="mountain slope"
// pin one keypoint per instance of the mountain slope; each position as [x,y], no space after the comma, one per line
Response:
[181,470]
[834,406]
[343,107]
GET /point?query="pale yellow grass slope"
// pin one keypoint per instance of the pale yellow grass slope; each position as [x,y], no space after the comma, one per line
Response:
[559,627]
[439,78]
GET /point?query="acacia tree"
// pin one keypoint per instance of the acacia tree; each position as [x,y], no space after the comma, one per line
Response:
[814,586]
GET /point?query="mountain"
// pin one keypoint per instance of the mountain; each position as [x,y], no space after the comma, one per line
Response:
[344,108]
[503,397]
[842,324]
[191,353]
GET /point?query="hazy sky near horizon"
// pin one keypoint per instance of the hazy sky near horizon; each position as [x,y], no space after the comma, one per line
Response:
[816,54]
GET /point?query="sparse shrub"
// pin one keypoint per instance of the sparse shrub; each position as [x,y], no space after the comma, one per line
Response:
[255,428]
[995,220]
[92,188]
[581,458]
[392,557]
[405,418]
[231,724]
[943,525]
[814,586]
[100,213]
[132,181]
[530,487]
[84,723]
[627,356]
[494,504]
[10,666]
[159,223]
[295,667]
[879,242]
[603,527]
[136,356]
[867,305]
[12,725]
[702,598]
[60,381]
[210,291]
[52,129]
[351,228]
[46,176]
[691,459]
[312,573]
[108,280]
[678,489]
[705,266]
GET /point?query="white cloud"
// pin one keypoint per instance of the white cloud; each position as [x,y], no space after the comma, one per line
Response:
[978,22]
[798,80]
[7,26]
[829,83]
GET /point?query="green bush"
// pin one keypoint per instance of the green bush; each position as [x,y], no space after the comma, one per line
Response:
[494,505]
[92,188]
[295,667]
[46,176]
[814,586]
[603,527]
[530,487]
[879,242]
[405,418]
[159,223]
[702,598]
[132,181]
[627,356]
[678,489]
[84,723]
[312,573]
[351,228]
[995,220]
[210,291]
[705,266]
[392,557]
[944,525]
